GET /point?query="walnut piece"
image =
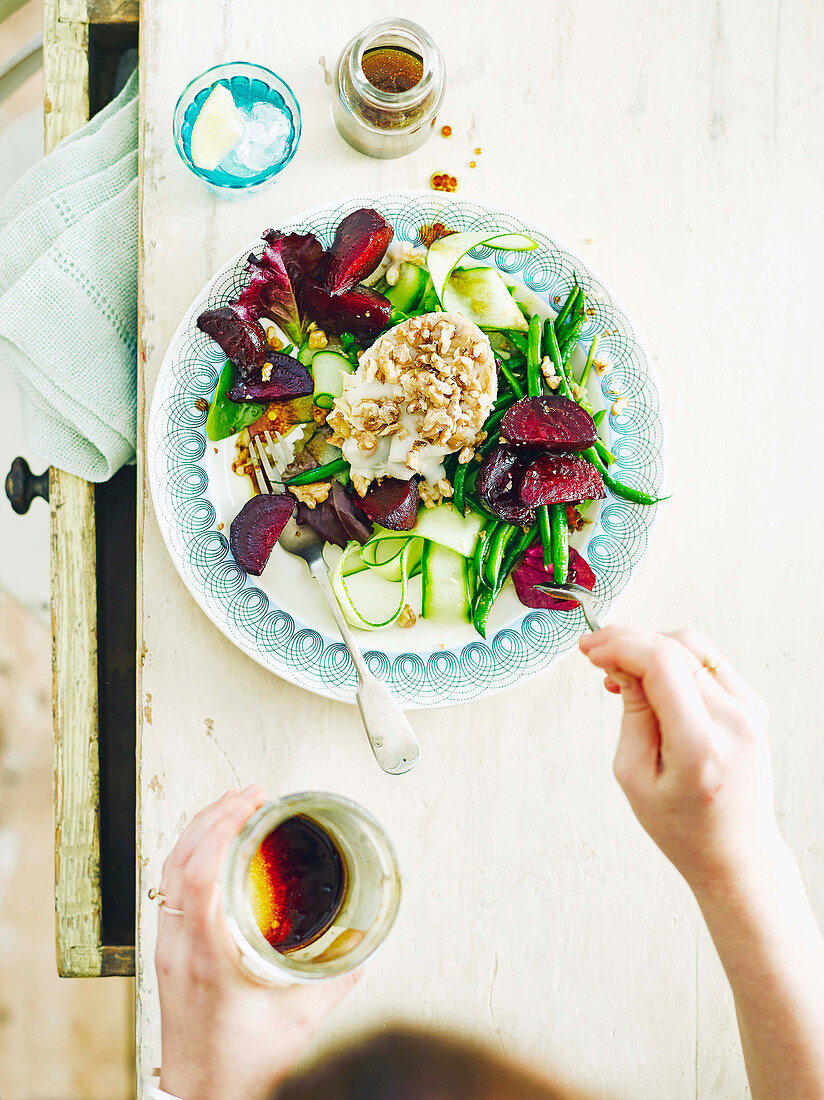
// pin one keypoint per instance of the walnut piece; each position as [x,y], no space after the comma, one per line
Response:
[311,495]
[435,494]
[407,617]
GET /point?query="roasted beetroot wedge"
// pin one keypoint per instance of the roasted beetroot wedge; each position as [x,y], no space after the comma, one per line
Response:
[241,340]
[498,482]
[532,571]
[351,516]
[360,242]
[560,479]
[550,423]
[280,378]
[392,503]
[361,310]
[257,527]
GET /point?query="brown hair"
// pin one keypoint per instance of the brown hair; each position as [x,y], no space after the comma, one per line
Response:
[404,1064]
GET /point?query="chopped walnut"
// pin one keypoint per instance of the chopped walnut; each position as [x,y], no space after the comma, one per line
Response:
[266,372]
[319,415]
[272,339]
[311,495]
[407,617]
[435,494]
[465,455]
[601,366]
[317,339]
[619,405]
[361,484]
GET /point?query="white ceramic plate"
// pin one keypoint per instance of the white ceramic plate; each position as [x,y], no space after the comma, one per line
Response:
[279,618]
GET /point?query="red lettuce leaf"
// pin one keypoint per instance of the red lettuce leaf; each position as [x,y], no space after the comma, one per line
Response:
[532,571]
[336,519]
[271,292]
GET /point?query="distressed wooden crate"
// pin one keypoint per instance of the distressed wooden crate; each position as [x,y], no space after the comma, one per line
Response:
[69,56]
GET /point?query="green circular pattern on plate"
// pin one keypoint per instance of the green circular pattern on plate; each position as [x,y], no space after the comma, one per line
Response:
[247,616]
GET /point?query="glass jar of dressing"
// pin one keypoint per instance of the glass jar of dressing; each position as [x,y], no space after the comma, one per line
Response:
[389,85]
[311,888]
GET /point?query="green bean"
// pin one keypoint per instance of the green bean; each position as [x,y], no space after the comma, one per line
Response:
[568,341]
[491,429]
[626,492]
[575,319]
[320,473]
[560,542]
[546,534]
[459,487]
[487,596]
[554,352]
[495,555]
[481,547]
[495,418]
[514,553]
[563,313]
[599,416]
[604,455]
[589,362]
[513,381]
[492,530]
[533,357]
[503,401]
[483,605]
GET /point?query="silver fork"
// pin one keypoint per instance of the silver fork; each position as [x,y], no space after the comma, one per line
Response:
[390,735]
[266,476]
[575,592]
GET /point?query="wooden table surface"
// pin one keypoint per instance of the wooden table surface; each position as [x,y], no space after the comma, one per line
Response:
[679,148]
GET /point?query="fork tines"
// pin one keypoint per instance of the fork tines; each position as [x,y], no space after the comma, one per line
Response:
[268,466]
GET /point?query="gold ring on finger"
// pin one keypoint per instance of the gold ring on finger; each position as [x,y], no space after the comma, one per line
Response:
[711,664]
[155,895]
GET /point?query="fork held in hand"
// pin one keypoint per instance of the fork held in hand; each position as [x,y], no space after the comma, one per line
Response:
[575,592]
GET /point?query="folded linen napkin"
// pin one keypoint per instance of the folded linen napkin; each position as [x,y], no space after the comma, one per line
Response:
[68,294]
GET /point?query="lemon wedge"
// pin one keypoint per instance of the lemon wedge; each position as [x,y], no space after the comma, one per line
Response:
[216,130]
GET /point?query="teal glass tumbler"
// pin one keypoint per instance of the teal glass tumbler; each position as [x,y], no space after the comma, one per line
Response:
[249,85]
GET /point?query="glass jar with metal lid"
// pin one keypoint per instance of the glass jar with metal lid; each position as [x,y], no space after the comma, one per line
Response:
[389,85]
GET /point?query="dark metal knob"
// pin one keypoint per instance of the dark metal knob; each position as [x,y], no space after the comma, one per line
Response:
[22,486]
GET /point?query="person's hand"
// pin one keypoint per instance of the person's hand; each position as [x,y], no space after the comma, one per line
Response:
[693,757]
[223,1035]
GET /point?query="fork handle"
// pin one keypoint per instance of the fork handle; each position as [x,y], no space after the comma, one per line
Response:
[390,735]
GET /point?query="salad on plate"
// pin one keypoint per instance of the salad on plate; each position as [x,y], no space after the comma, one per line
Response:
[422,418]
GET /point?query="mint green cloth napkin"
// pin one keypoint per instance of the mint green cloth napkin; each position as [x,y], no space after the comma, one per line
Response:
[68,294]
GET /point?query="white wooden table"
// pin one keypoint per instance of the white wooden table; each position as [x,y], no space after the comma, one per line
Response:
[680,149]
